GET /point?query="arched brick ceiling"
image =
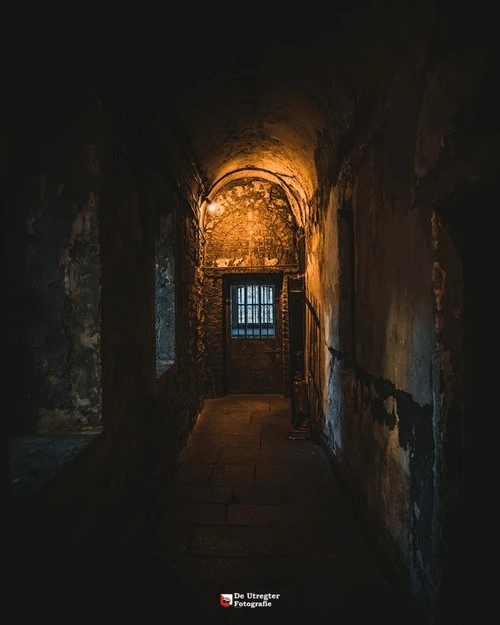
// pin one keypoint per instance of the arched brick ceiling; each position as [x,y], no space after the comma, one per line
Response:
[251,88]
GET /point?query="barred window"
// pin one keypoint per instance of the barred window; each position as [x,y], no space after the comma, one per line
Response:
[252,310]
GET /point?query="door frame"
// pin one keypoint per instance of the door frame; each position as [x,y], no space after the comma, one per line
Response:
[273,278]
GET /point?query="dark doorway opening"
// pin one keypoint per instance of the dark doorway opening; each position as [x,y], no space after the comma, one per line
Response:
[473,219]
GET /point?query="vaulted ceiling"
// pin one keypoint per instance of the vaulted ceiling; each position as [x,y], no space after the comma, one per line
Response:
[276,87]
[270,88]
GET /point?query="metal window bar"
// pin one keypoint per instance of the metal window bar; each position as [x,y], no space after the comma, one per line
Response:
[252,310]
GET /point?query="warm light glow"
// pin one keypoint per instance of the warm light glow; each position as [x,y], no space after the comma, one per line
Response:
[212,207]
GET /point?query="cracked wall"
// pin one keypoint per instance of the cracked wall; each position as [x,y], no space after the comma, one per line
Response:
[393,414]
[55,276]
[252,227]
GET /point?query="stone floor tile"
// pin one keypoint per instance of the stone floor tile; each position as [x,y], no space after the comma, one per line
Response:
[283,474]
[202,570]
[233,475]
[224,440]
[214,428]
[182,493]
[223,418]
[259,514]
[193,473]
[224,541]
[200,451]
[260,494]
[195,513]
[245,455]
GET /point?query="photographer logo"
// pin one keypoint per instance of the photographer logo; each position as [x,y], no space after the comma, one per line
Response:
[226,600]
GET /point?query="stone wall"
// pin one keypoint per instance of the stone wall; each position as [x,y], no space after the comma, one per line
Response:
[164,275]
[392,411]
[53,251]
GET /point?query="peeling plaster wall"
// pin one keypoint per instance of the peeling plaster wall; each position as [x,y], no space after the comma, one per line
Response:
[252,230]
[55,277]
[54,193]
[393,419]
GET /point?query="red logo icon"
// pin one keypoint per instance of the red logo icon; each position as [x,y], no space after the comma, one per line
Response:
[226,600]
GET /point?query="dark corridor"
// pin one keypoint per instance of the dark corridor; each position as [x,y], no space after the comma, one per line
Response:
[207,208]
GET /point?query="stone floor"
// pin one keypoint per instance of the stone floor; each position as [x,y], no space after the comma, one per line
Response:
[245,510]
[34,461]
[251,511]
